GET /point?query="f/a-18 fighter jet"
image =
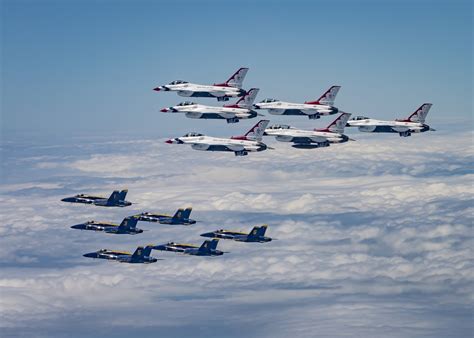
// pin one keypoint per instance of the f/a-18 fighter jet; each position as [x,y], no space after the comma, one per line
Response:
[208,248]
[180,217]
[222,91]
[313,109]
[316,138]
[256,235]
[415,123]
[117,199]
[232,113]
[240,145]
[141,255]
[127,227]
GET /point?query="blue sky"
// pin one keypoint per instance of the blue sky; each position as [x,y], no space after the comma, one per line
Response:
[374,237]
[89,66]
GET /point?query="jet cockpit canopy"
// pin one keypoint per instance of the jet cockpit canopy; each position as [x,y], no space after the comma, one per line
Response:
[358,118]
[269,100]
[192,134]
[186,103]
[279,126]
[175,82]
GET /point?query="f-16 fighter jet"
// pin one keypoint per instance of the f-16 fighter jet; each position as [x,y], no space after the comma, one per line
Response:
[307,139]
[117,199]
[415,123]
[128,226]
[208,248]
[180,217]
[232,113]
[141,255]
[256,235]
[222,91]
[240,145]
[313,109]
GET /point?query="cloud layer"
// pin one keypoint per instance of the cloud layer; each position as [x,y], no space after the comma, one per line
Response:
[374,238]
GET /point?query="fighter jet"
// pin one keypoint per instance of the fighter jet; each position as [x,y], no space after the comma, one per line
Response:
[180,217]
[141,255]
[415,123]
[232,113]
[256,235]
[308,139]
[313,109]
[208,248]
[117,199]
[128,226]
[240,145]
[222,91]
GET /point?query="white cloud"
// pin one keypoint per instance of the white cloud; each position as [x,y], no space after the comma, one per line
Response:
[360,227]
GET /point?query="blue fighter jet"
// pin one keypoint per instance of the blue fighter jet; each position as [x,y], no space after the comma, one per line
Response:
[128,226]
[180,217]
[116,199]
[141,255]
[208,248]
[256,235]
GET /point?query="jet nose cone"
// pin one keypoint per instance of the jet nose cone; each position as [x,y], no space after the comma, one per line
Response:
[170,141]
[256,106]
[207,234]
[89,255]
[164,110]
[77,226]
[157,89]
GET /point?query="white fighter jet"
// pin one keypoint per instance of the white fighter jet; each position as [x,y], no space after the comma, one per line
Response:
[232,113]
[222,91]
[415,123]
[240,145]
[313,109]
[308,139]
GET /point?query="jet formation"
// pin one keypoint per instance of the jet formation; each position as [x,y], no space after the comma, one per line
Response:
[243,109]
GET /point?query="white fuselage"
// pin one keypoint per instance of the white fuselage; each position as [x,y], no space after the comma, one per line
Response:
[379,126]
[198,90]
[301,136]
[288,108]
[199,111]
[208,143]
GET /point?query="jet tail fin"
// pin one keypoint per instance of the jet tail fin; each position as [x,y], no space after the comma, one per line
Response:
[129,223]
[123,194]
[420,114]
[142,252]
[114,196]
[236,79]
[338,125]
[209,245]
[255,133]
[258,231]
[247,100]
[182,213]
[328,97]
